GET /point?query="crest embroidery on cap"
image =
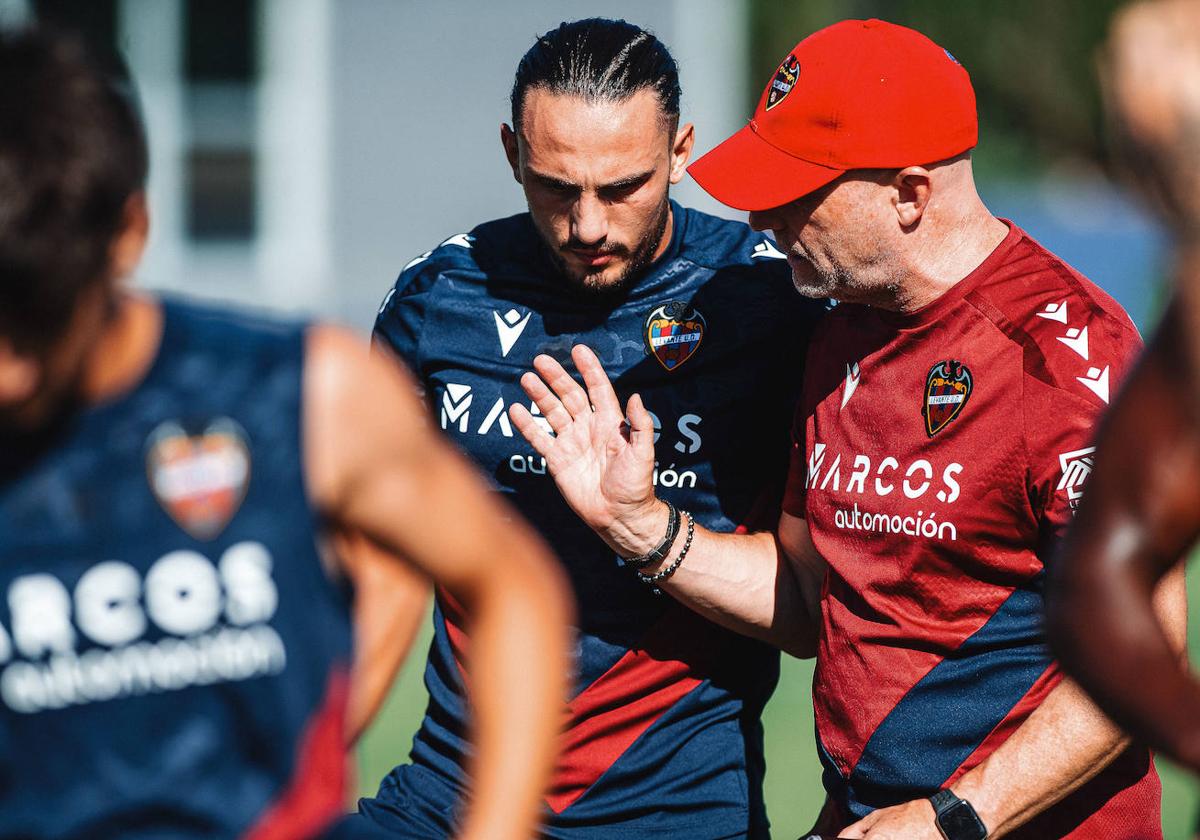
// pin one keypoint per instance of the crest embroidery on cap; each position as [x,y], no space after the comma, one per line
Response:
[673,333]
[947,388]
[783,81]
[199,479]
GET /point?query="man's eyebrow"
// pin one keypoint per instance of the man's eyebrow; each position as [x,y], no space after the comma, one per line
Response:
[550,180]
[624,183]
[631,181]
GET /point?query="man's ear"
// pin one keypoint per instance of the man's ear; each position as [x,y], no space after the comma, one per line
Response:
[19,374]
[681,151]
[512,149]
[912,194]
[127,246]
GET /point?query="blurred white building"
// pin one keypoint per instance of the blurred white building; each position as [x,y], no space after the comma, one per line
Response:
[303,150]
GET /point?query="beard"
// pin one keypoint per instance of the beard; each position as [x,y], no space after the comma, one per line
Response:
[595,285]
[827,278]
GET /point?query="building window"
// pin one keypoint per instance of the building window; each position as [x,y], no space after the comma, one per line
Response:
[220,72]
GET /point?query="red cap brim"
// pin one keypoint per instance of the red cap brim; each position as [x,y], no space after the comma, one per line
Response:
[748,173]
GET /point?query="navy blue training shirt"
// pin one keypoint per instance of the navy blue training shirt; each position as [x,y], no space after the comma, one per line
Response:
[663,734]
[173,655]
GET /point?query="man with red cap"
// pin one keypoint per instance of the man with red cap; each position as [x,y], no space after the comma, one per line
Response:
[941,444]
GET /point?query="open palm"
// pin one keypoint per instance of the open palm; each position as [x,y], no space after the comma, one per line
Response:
[602,466]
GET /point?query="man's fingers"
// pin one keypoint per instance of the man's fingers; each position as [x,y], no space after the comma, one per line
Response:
[641,427]
[557,416]
[856,831]
[531,430]
[568,391]
[599,387]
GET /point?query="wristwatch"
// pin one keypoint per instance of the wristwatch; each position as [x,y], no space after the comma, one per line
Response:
[956,819]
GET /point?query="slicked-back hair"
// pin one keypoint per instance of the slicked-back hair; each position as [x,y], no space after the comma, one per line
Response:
[602,60]
[72,153]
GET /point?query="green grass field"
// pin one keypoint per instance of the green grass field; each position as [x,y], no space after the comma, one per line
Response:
[793,787]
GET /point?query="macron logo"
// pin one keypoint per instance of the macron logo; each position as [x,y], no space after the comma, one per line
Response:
[509,326]
[462,240]
[1096,381]
[456,406]
[815,461]
[1055,312]
[767,250]
[852,377]
[1077,340]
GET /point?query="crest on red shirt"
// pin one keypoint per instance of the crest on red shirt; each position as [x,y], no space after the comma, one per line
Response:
[947,389]
[199,478]
[783,81]
[673,333]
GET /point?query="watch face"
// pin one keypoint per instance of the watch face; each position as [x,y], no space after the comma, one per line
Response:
[959,822]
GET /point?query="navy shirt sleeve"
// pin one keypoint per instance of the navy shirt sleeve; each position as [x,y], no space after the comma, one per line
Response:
[789,349]
[402,313]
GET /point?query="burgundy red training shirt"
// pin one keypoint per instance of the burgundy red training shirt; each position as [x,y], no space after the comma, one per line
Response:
[939,456]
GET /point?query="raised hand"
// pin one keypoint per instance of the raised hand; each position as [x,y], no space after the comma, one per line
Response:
[603,465]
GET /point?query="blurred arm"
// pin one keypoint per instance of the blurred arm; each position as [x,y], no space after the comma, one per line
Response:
[1150,77]
[375,465]
[390,601]
[1139,518]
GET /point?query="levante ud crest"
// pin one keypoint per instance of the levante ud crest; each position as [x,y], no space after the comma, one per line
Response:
[783,81]
[947,389]
[199,475]
[673,333]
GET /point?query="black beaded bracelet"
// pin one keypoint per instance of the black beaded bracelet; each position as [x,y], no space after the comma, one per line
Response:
[659,552]
[651,580]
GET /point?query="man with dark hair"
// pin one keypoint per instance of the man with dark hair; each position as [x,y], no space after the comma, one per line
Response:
[941,442]
[174,642]
[1141,514]
[662,730]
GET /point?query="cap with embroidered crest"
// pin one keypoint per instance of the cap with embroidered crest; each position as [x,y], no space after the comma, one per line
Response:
[860,94]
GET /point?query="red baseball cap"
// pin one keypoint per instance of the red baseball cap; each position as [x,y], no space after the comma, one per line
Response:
[861,94]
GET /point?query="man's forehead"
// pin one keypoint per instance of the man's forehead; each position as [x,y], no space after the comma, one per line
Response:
[584,141]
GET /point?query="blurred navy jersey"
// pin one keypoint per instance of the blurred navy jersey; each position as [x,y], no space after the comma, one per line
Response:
[663,730]
[173,655]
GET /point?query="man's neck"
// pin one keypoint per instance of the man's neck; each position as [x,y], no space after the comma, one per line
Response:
[945,257]
[664,241]
[125,350]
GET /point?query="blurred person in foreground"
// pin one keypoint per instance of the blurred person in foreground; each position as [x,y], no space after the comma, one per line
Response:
[942,439]
[662,731]
[1141,514]
[174,644]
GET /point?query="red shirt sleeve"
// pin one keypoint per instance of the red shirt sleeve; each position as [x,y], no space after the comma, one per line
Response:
[1061,419]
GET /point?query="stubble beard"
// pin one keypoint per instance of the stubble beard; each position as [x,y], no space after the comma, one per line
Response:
[874,281]
[594,285]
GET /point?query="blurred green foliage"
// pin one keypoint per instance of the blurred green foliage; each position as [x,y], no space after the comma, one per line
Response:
[1032,63]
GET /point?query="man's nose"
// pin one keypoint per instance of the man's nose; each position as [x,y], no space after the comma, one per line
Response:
[762,220]
[589,220]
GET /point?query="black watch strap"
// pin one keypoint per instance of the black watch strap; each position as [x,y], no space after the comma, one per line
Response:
[955,817]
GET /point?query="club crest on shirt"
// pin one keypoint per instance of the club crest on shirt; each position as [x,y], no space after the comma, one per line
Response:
[673,333]
[947,389]
[783,81]
[199,474]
